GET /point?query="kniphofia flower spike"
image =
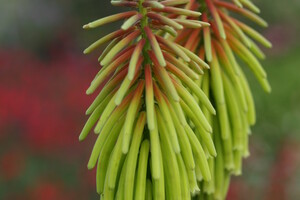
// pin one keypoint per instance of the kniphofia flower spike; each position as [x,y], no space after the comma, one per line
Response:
[153,134]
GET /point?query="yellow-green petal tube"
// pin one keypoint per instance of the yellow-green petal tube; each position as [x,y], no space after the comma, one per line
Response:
[236,29]
[230,71]
[250,15]
[119,46]
[250,5]
[131,21]
[185,188]
[182,66]
[115,162]
[194,57]
[121,185]
[106,151]
[190,101]
[153,4]
[192,85]
[171,170]
[140,185]
[185,146]
[166,80]
[155,152]
[108,48]
[105,39]
[254,34]
[131,115]
[133,156]
[134,59]
[207,40]
[149,98]
[238,3]
[126,84]
[159,184]
[188,23]
[108,70]
[218,92]
[164,20]
[112,84]
[219,163]
[149,195]
[205,136]
[174,2]
[250,102]
[178,11]
[169,30]
[155,47]
[216,16]
[174,48]
[199,153]
[106,130]
[167,118]
[109,19]
[94,117]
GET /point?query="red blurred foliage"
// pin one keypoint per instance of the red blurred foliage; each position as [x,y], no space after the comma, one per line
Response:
[42,105]
[45,101]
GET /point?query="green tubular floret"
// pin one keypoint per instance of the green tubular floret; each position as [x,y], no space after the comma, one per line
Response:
[207,43]
[250,5]
[149,98]
[159,184]
[106,114]
[155,152]
[166,81]
[185,187]
[171,170]
[140,185]
[206,137]
[133,156]
[190,101]
[131,115]
[185,146]
[204,85]
[94,117]
[234,113]
[192,179]
[121,185]
[149,188]
[114,167]
[219,163]
[108,48]
[105,155]
[235,78]
[109,19]
[105,132]
[163,106]
[257,51]
[209,187]
[218,92]
[249,99]
[199,154]
[192,85]
[106,90]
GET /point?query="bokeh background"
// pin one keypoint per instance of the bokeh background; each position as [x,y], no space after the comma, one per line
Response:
[43,77]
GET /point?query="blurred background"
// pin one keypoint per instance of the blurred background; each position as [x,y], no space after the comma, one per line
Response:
[43,77]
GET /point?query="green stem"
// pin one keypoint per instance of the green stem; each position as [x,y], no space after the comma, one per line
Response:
[144,23]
